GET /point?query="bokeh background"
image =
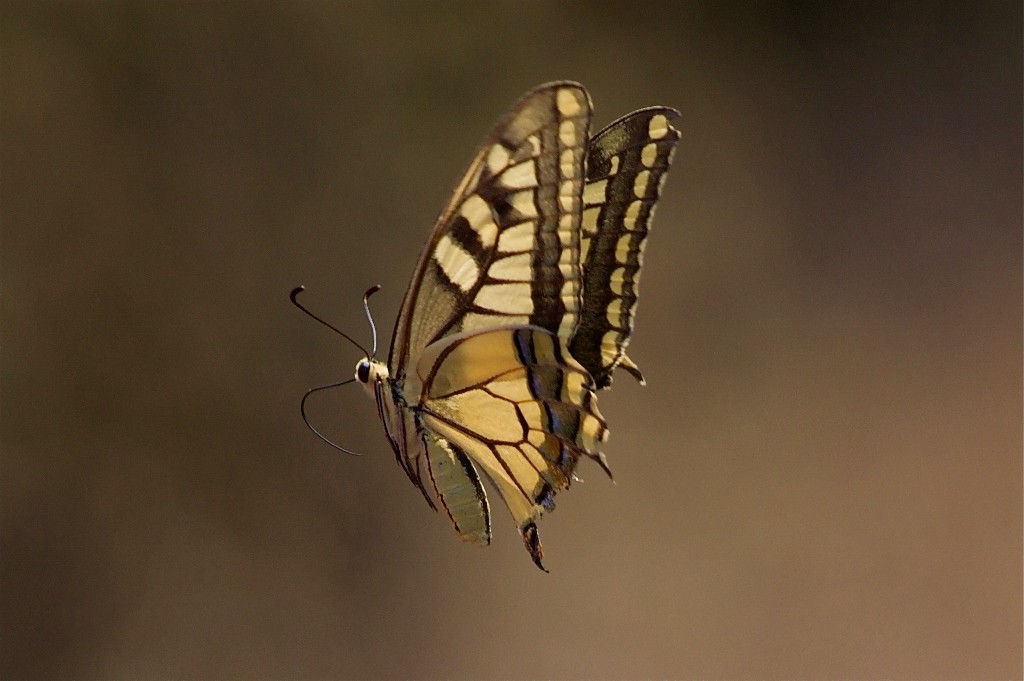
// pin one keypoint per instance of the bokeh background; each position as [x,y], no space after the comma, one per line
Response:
[821,480]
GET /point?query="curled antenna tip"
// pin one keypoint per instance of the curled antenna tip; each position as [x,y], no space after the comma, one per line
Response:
[370,291]
[299,289]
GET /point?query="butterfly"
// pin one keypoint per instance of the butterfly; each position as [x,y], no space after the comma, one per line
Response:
[520,307]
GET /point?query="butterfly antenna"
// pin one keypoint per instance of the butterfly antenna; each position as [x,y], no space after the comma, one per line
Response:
[299,289]
[302,408]
[366,306]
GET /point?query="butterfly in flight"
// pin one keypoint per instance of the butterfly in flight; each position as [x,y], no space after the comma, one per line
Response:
[520,307]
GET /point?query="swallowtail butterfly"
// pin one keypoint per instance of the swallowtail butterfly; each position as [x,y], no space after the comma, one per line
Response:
[520,307]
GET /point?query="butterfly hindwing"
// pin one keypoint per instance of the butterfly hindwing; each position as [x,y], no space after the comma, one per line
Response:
[517,404]
[627,164]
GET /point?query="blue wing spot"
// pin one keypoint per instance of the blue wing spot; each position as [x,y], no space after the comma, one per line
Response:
[524,349]
[546,497]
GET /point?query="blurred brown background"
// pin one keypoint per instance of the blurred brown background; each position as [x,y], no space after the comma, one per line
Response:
[822,479]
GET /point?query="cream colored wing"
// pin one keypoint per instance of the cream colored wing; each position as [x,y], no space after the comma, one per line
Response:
[514,402]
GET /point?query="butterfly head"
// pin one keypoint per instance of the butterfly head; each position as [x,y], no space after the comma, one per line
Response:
[370,372]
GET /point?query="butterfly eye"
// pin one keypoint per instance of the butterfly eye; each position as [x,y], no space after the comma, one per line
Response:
[363,371]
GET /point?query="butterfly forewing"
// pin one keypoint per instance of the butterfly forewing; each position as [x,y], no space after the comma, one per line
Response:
[627,164]
[506,249]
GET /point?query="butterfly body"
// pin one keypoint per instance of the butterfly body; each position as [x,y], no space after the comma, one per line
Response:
[520,307]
